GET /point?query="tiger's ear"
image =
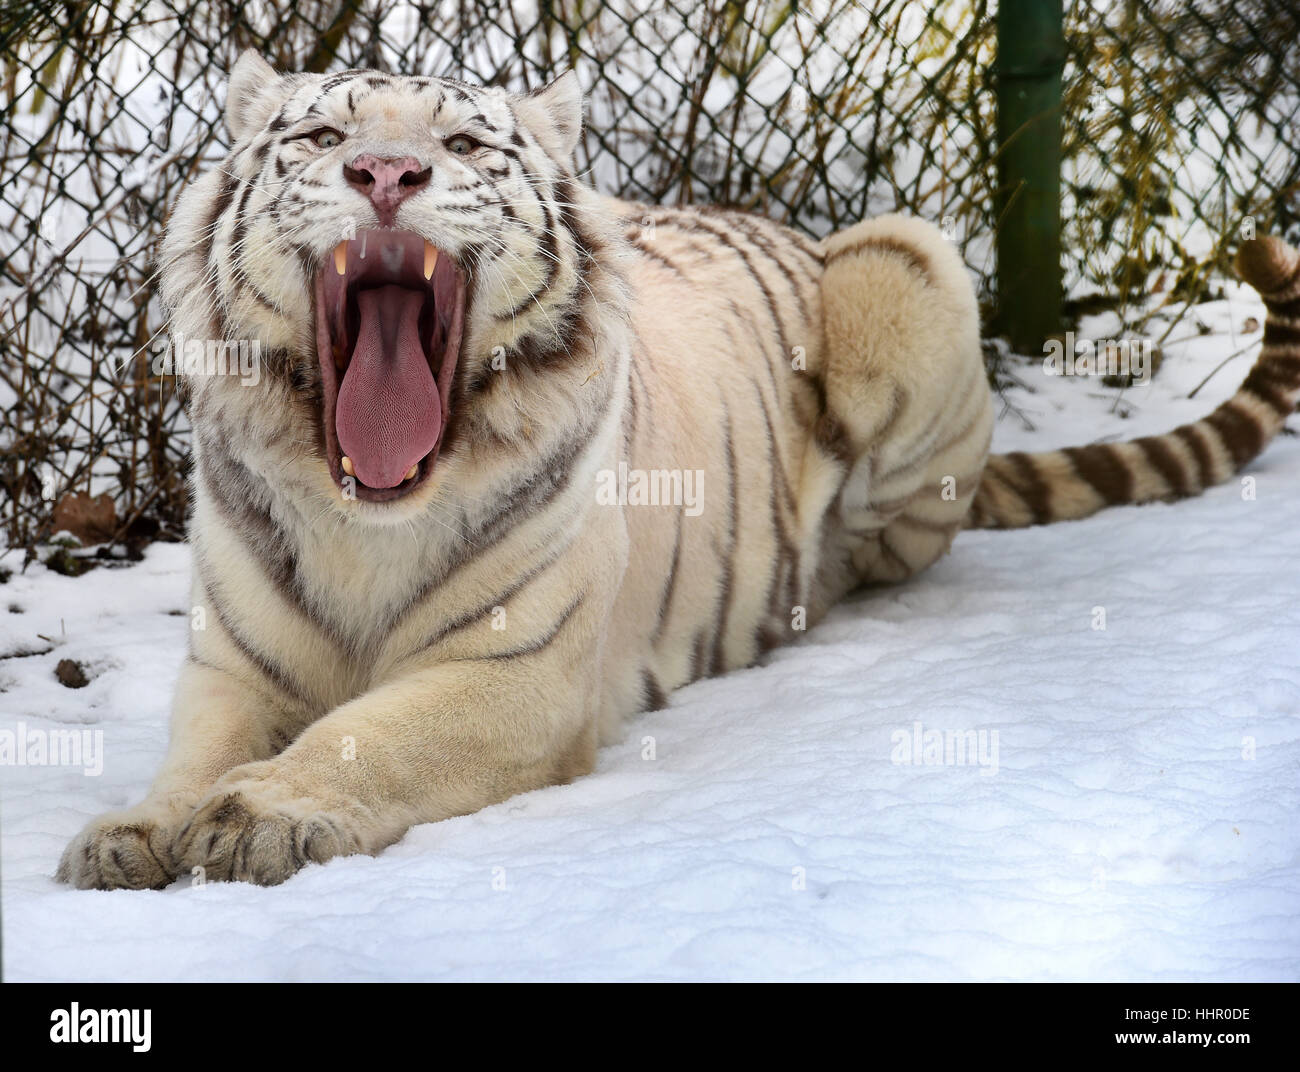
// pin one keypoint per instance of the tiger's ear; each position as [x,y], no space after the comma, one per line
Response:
[559,108]
[251,95]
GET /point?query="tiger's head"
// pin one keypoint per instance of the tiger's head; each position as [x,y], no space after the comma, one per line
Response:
[417,263]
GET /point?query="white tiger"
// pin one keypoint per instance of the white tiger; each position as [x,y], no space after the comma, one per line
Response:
[428,578]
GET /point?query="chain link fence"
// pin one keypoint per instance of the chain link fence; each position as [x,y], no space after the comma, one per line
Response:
[1180,119]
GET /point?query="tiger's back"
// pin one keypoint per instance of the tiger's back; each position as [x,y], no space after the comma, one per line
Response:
[813,487]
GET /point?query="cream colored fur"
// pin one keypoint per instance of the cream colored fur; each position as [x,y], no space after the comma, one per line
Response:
[832,394]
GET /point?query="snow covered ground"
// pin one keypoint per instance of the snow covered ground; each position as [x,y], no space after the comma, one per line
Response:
[1131,812]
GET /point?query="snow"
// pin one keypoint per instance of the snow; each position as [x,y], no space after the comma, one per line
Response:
[1133,818]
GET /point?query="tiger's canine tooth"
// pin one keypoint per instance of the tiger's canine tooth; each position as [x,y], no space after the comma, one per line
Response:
[347,466]
[341,258]
[411,473]
[430,259]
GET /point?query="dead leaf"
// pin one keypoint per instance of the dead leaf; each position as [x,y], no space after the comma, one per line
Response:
[71,674]
[89,520]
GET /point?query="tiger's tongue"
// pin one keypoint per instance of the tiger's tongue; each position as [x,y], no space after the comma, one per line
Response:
[388,414]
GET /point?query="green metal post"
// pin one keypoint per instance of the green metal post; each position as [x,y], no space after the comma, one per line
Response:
[1031,56]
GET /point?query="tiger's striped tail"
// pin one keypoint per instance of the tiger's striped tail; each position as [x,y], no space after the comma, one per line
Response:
[1017,490]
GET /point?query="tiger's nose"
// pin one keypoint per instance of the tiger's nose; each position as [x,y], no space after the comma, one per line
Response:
[387,181]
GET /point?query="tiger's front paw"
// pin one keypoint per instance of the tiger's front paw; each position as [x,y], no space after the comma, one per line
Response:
[255,828]
[125,850]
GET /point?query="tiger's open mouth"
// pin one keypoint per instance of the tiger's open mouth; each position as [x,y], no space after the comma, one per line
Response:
[390,310]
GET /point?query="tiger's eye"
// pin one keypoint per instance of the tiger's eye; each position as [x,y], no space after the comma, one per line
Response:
[460,145]
[327,139]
